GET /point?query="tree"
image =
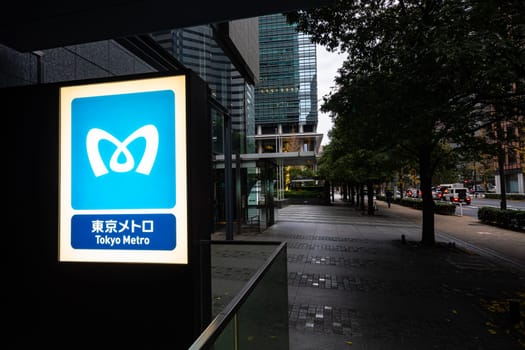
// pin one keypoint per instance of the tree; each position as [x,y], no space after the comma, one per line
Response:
[354,148]
[497,33]
[405,80]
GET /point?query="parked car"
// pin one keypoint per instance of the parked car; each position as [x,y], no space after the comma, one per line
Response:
[413,193]
[437,195]
[478,190]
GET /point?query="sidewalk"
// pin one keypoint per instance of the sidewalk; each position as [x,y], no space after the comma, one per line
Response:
[491,239]
[354,284]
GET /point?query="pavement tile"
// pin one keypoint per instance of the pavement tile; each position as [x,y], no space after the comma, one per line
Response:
[353,284]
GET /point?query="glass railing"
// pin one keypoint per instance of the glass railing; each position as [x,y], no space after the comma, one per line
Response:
[250,297]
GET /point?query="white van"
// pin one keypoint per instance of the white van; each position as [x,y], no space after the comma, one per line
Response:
[457,195]
[443,190]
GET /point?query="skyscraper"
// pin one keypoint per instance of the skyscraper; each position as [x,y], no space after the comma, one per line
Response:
[206,49]
[286,99]
[202,50]
[286,96]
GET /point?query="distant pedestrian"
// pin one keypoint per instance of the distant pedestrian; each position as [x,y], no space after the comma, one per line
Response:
[389,196]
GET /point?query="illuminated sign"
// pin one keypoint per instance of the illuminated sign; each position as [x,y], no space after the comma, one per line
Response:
[123,172]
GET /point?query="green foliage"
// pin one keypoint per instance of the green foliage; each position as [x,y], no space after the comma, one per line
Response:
[301,173]
[310,194]
[443,208]
[508,196]
[419,75]
[509,219]
[306,192]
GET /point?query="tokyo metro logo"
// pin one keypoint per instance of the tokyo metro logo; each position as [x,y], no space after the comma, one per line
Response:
[148,132]
[123,151]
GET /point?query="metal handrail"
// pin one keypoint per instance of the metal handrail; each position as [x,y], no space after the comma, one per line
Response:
[219,323]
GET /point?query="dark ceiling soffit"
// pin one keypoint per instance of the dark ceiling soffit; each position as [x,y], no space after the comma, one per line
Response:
[56,24]
[148,50]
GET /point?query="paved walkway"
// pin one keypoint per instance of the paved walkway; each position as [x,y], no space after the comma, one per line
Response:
[354,284]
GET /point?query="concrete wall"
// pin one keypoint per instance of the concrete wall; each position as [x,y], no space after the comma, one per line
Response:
[86,61]
[245,35]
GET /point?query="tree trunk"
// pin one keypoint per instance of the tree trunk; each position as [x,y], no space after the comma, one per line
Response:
[327,193]
[427,235]
[401,184]
[362,198]
[502,184]
[370,193]
[500,135]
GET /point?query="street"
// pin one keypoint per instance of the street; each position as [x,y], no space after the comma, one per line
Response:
[472,209]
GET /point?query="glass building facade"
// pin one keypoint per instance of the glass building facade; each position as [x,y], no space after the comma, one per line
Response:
[197,49]
[286,96]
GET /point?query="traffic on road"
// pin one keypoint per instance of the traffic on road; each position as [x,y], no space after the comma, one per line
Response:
[476,203]
[468,202]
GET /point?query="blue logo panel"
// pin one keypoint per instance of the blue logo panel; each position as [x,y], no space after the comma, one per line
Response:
[123,151]
[132,232]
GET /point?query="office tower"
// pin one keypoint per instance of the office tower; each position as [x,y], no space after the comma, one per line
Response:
[286,99]
[206,50]
[286,96]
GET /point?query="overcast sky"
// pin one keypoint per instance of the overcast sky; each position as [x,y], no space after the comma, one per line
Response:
[327,65]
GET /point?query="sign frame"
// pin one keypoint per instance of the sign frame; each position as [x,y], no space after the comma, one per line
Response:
[78,203]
